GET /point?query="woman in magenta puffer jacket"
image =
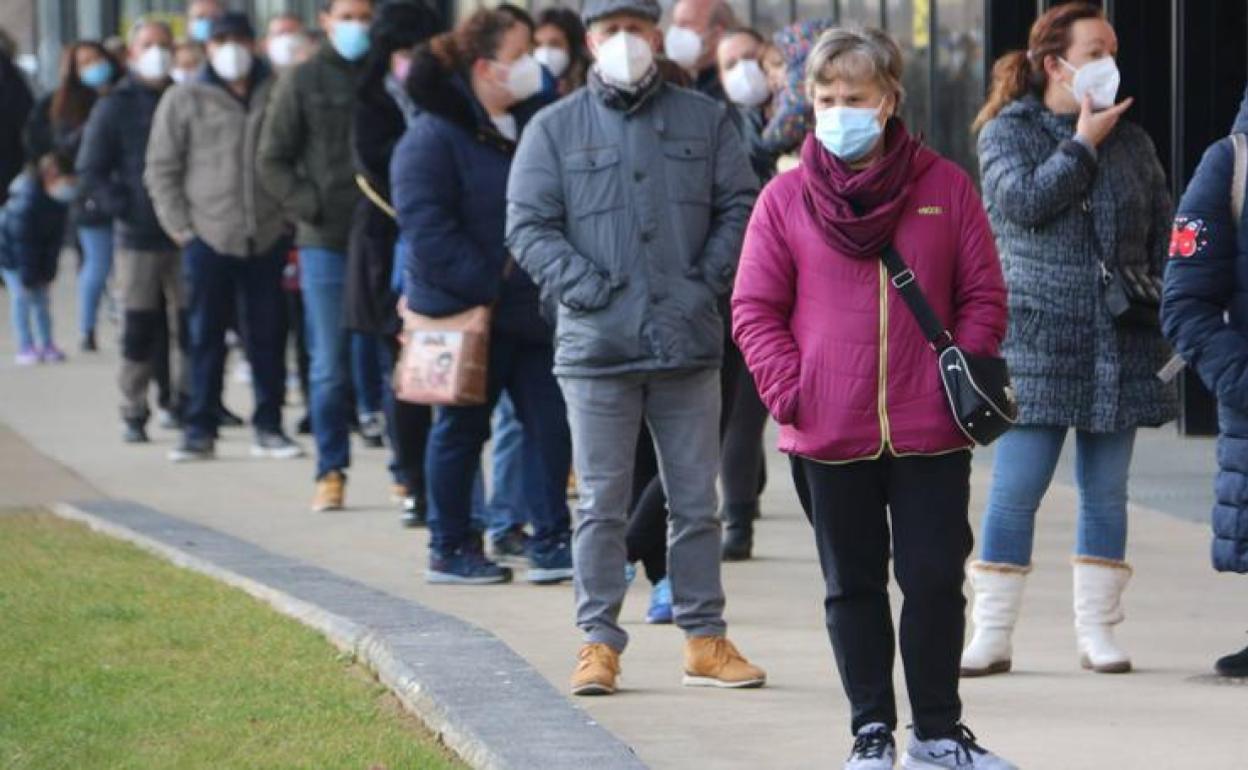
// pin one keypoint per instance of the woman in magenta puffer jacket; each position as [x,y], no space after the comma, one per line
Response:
[843,367]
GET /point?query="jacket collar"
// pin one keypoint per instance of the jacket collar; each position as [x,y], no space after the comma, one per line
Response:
[1030,107]
[438,90]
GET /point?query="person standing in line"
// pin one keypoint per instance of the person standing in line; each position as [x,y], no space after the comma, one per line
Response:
[560,39]
[626,204]
[305,163]
[149,276]
[15,106]
[231,233]
[383,111]
[56,124]
[188,58]
[693,39]
[32,230]
[475,89]
[881,467]
[199,17]
[1076,195]
[1205,315]
[285,42]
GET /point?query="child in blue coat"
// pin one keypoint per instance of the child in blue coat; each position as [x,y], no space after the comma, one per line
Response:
[32,228]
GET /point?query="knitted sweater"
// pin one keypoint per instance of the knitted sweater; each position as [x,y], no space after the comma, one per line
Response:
[1071,364]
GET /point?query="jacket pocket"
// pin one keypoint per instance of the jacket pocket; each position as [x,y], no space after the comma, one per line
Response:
[593,181]
[689,170]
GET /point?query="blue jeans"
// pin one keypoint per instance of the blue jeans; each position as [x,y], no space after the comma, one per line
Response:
[516,476]
[23,303]
[453,461]
[1022,471]
[366,372]
[217,284]
[97,262]
[322,278]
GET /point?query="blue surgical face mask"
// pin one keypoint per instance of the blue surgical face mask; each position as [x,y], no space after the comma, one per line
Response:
[350,39]
[201,29]
[96,75]
[848,132]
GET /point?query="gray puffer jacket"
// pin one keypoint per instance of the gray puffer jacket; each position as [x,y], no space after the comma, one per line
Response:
[201,166]
[631,225]
[1071,364]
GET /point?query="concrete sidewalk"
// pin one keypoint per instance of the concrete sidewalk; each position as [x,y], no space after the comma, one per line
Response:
[1048,714]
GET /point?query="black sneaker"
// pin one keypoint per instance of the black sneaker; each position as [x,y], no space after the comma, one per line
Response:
[275,446]
[1233,666]
[415,512]
[550,565]
[193,449]
[373,430]
[465,568]
[87,344]
[510,547]
[227,419]
[738,542]
[135,432]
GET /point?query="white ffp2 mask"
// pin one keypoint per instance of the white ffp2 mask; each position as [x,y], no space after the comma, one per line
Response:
[624,59]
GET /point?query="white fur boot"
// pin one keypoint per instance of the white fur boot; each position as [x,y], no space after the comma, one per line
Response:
[1099,584]
[998,598]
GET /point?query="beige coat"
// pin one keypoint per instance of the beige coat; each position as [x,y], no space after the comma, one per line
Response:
[201,168]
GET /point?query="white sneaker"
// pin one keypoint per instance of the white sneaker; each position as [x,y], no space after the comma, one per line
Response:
[874,749]
[957,752]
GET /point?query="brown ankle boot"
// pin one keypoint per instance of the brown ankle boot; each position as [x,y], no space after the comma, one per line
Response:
[597,667]
[713,661]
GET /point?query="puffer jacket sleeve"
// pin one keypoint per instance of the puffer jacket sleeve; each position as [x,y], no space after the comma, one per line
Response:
[733,191]
[1200,281]
[1028,192]
[979,301]
[97,160]
[762,304]
[426,184]
[282,140]
[536,212]
[164,171]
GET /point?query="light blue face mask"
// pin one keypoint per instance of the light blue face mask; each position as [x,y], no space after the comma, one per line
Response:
[201,29]
[96,75]
[350,39]
[848,132]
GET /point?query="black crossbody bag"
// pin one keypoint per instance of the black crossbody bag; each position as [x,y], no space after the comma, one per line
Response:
[977,387]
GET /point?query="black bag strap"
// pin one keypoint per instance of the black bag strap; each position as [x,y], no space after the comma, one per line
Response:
[904,281]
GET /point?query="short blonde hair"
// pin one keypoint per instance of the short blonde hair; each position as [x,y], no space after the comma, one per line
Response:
[854,55]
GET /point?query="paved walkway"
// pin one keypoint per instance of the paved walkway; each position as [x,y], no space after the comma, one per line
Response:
[63,430]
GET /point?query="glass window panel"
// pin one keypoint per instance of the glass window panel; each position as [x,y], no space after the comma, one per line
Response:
[959,79]
[814,9]
[860,13]
[907,22]
[771,15]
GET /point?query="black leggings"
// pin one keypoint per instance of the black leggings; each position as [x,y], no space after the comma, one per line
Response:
[408,425]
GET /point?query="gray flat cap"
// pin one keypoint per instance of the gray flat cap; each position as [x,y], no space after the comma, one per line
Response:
[600,9]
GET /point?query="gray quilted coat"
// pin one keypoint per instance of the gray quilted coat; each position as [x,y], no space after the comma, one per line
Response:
[1072,365]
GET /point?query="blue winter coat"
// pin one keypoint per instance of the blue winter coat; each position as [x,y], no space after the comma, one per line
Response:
[32,228]
[448,177]
[1205,315]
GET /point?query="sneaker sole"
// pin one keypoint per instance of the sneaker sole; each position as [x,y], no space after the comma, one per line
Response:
[178,457]
[1123,667]
[329,507]
[507,560]
[548,576]
[707,681]
[911,762]
[276,454]
[999,667]
[447,578]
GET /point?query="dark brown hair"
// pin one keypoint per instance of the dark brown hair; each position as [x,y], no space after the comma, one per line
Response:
[73,99]
[1021,72]
[477,37]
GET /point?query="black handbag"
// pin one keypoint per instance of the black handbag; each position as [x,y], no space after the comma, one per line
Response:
[1132,293]
[977,387]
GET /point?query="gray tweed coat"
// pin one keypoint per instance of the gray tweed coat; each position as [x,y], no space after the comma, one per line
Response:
[1072,366]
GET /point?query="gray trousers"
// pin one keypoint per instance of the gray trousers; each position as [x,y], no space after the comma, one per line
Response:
[682,412]
[148,283]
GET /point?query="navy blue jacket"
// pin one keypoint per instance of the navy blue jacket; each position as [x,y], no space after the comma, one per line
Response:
[32,228]
[1205,315]
[111,161]
[448,177]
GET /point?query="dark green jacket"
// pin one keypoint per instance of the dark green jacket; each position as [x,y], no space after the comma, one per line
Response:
[305,148]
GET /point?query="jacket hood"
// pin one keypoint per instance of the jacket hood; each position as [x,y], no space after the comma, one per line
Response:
[1240,126]
[445,93]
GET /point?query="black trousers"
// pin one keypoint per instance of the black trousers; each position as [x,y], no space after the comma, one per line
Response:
[850,507]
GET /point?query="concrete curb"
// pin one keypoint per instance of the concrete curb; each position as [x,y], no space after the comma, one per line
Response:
[486,703]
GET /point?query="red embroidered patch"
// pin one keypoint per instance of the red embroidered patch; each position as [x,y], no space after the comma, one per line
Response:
[1187,238]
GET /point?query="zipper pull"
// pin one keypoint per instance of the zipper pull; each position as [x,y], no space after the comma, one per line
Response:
[1106,276]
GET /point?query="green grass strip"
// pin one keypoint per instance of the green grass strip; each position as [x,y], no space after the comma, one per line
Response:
[111,658]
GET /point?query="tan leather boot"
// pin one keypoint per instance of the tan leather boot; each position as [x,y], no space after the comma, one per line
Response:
[597,667]
[330,492]
[713,661]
